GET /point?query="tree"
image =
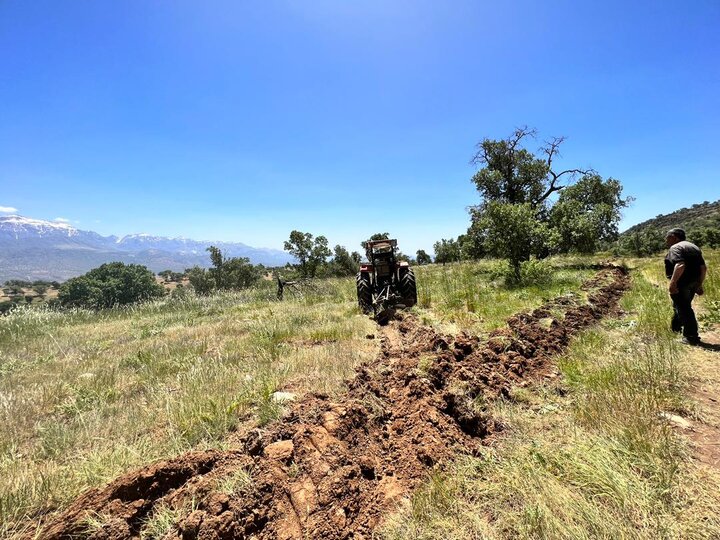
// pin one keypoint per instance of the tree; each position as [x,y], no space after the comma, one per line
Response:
[318,255]
[513,232]
[40,289]
[512,174]
[446,251]
[111,284]
[169,275]
[643,242]
[310,252]
[586,214]
[225,274]
[12,290]
[400,256]
[705,236]
[422,257]
[300,246]
[472,246]
[238,273]
[517,188]
[201,280]
[343,263]
[217,272]
[19,283]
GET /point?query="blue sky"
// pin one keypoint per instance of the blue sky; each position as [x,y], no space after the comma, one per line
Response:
[244,120]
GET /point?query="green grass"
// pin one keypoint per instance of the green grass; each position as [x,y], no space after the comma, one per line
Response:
[595,460]
[711,301]
[161,522]
[85,396]
[472,296]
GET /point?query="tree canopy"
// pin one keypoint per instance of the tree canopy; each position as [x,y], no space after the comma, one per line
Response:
[447,251]
[586,214]
[343,263]
[422,257]
[225,274]
[111,284]
[310,252]
[528,207]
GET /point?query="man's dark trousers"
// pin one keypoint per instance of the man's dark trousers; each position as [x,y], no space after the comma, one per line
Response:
[684,317]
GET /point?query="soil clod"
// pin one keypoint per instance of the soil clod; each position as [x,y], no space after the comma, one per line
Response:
[333,468]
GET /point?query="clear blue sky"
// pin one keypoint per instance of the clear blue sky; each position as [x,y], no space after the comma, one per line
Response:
[241,120]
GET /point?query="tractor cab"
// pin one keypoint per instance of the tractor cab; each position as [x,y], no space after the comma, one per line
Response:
[381,254]
[383,282]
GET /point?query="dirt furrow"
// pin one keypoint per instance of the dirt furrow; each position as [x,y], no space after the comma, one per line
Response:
[332,468]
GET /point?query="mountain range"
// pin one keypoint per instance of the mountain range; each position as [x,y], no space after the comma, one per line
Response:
[33,249]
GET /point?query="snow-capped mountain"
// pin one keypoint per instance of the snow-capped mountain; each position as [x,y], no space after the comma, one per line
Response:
[133,242]
[24,227]
[38,249]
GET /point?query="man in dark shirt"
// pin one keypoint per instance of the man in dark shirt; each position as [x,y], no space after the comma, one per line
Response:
[685,268]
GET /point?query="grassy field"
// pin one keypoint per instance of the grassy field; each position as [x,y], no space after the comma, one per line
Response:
[86,396]
[593,456]
[471,296]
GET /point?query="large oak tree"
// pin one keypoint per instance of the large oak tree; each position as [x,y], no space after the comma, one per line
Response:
[530,207]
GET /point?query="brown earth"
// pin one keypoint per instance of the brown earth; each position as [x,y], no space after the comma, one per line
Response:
[703,363]
[333,468]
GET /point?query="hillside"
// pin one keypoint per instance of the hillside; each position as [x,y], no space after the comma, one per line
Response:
[698,216]
[32,249]
[486,411]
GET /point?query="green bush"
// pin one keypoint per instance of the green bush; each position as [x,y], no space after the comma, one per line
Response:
[532,272]
[111,284]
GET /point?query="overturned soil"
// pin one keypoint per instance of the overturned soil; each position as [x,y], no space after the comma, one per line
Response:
[332,468]
[704,430]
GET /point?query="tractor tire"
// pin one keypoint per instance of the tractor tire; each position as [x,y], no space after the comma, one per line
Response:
[364,292]
[408,288]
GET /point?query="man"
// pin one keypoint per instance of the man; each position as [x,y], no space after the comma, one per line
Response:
[685,268]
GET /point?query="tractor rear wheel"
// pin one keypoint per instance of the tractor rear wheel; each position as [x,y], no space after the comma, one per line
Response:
[364,292]
[408,288]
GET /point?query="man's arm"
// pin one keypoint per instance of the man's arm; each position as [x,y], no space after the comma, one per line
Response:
[676,275]
[703,271]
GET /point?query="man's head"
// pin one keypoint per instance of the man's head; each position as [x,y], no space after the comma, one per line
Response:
[674,236]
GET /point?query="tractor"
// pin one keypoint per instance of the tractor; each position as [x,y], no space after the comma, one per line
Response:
[385,284]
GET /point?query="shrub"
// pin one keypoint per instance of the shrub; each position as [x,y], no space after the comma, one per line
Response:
[532,272]
[6,306]
[110,285]
[201,280]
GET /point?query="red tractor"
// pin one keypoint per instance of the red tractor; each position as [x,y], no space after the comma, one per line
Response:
[384,283]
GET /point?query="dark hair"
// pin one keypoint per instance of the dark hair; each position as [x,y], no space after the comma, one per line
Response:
[676,232]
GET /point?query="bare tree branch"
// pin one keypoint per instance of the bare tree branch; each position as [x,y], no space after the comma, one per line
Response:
[553,187]
[519,134]
[552,149]
[481,157]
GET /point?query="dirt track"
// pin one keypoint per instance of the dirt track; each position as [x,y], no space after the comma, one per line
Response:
[332,469]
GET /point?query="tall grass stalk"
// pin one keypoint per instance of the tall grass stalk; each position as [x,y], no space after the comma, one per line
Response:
[596,460]
[85,396]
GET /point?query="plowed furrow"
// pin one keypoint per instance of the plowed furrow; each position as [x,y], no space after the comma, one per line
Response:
[332,468]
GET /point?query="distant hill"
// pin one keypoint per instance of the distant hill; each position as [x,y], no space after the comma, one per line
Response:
[33,249]
[699,221]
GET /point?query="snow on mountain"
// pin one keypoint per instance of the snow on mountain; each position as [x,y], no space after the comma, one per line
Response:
[22,226]
[38,249]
